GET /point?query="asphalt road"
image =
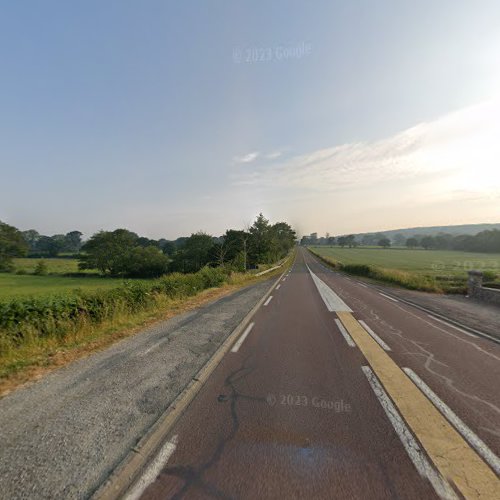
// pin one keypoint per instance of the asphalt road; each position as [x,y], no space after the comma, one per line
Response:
[337,391]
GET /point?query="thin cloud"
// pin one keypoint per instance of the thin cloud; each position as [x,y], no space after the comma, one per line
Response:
[459,150]
[273,155]
[248,158]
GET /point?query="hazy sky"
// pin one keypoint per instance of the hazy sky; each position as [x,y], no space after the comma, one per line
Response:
[170,117]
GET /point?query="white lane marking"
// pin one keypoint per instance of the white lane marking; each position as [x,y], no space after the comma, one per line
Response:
[461,330]
[268,300]
[345,333]
[375,337]
[242,338]
[284,279]
[362,284]
[387,297]
[476,442]
[415,452]
[278,287]
[153,470]
[348,279]
[332,301]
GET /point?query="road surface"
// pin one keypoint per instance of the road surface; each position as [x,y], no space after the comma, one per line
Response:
[335,390]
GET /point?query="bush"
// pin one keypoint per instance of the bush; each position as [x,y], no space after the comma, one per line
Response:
[59,315]
[41,268]
[358,269]
[489,275]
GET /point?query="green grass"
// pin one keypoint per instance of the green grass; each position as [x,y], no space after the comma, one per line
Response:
[438,270]
[12,285]
[54,266]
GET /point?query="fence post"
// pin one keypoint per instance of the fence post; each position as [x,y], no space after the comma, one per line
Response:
[474,283]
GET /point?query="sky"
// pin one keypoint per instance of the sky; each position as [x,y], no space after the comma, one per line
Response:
[171,117]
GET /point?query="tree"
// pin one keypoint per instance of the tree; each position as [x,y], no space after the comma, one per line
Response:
[342,241]
[260,240]
[31,237]
[412,242]
[73,241]
[167,247]
[12,244]
[194,254]
[398,239]
[50,246]
[384,242]
[107,251]
[427,242]
[350,240]
[331,240]
[145,262]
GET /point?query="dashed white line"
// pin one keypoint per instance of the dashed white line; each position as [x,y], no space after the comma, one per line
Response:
[362,284]
[461,330]
[345,333]
[278,286]
[153,470]
[387,297]
[448,413]
[284,279]
[375,337]
[242,338]
[268,300]
[415,452]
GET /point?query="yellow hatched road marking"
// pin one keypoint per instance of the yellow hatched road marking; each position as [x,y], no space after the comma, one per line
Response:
[450,453]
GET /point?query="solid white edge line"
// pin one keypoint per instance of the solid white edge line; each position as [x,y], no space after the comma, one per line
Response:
[461,330]
[240,341]
[387,297]
[345,333]
[415,452]
[268,300]
[152,472]
[375,337]
[278,287]
[475,441]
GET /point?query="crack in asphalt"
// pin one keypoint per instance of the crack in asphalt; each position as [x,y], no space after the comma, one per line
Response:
[193,476]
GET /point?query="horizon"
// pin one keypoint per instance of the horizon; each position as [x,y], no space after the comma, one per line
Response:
[334,118]
[299,236]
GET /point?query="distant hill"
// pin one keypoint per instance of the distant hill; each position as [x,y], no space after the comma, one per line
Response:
[471,229]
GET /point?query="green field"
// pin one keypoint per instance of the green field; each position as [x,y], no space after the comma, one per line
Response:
[54,266]
[447,269]
[55,282]
[434,262]
[13,285]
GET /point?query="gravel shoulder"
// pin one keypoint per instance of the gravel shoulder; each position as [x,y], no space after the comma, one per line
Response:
[62,436]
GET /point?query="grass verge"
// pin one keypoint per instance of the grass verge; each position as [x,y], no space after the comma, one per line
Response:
[405,279]
[35,355]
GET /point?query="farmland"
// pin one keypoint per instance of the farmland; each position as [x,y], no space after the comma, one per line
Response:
[60,278]
[12,285]
[441,270]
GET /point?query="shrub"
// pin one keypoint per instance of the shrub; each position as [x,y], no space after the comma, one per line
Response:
[489,275]
[41,268]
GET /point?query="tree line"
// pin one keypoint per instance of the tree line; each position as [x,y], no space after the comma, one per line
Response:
[487,241]
[124,253]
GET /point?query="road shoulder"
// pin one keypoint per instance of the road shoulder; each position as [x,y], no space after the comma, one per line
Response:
[64,434]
